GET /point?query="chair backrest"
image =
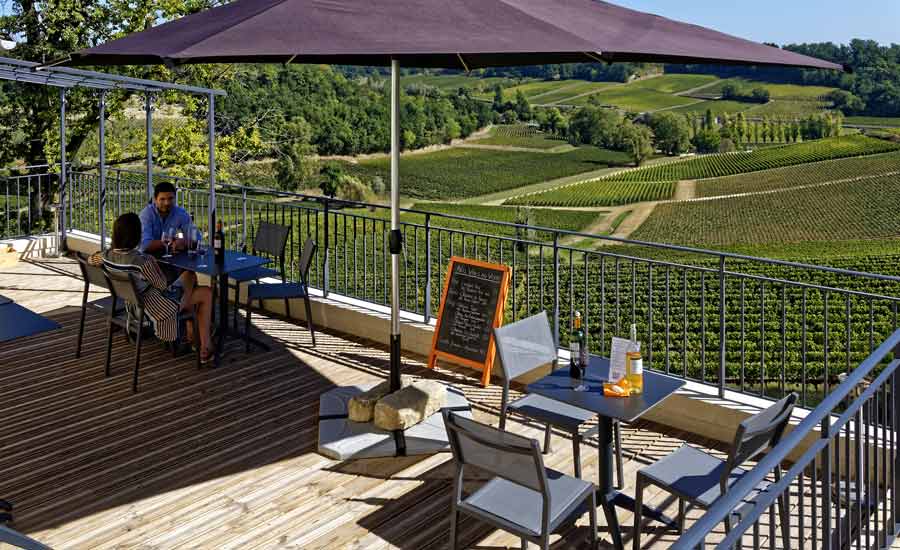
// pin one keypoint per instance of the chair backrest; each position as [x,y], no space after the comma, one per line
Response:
[123,285]
[92,274]
[525,345]
[500,453]
[271,239]
[306,257]
[758,433]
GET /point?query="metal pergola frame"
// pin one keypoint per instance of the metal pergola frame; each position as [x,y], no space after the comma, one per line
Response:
[65,78]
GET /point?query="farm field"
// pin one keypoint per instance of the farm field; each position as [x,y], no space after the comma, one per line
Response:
[452,82]
[788,108]
[854,210]
[520,135]
[460,173]
[718,107]
[637,100]
[673,83]
[776,91]
[530,89]
[570,91]
[801,174]
[599,193]
[726,164]
[873,120]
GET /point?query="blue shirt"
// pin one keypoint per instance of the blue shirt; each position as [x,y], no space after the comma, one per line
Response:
[153,225]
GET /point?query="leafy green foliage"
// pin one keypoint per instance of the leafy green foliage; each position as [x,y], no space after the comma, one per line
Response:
[599,193]
[763,159]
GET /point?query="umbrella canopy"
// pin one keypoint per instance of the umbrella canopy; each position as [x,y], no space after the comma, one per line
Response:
[462,34]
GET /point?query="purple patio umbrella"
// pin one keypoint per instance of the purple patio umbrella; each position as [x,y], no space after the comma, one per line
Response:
[460,34]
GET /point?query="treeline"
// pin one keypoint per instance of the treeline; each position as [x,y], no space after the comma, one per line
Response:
[872,88]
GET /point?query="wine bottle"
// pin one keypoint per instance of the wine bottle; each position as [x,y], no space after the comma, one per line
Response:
[576,344]
[634,364]
[219,244]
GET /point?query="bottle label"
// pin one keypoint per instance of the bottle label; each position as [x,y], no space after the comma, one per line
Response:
[637,366]
[217,243]
[574,351]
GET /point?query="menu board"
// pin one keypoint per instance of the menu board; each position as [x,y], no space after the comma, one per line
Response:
[471,306]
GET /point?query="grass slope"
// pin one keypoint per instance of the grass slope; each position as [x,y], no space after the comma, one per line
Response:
[599,193]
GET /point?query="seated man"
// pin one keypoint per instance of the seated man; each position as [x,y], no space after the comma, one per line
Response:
[158,299]
[160,216]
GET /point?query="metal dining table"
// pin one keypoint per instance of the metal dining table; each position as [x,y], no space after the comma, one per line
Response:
[560,386]
[205,264]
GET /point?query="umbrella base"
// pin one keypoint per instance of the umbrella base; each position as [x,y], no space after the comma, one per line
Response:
[342,439]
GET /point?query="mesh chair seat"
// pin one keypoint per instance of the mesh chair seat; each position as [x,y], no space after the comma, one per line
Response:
[551,411]
[693,474]
[276,291]
[521,506]
[253,274]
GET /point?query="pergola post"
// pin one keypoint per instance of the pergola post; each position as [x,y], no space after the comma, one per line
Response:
[211,129]
[102,168]
[396,242]
[148,112]
[63,188]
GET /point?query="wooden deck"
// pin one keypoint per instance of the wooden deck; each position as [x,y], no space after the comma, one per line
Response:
[226,458]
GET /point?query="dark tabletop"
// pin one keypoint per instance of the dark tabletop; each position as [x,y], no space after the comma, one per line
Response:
[560,386]
[17,322]
[192,263]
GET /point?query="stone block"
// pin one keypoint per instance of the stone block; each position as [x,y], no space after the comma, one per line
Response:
[410,405]
[361,408]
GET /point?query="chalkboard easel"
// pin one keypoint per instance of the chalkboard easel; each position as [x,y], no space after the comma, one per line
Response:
[472,304]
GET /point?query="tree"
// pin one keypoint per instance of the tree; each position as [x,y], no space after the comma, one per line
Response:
[295,164]
[498,98]
[331,179]
[523,107]
[671,132]
[595,126]
[760,95]
[378,185]
[707,141]
[637,141]
[709,121]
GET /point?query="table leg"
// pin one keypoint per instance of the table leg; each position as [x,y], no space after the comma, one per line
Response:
[223,317]
[605,482]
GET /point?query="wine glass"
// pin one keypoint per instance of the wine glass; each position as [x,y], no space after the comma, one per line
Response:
[201,249]
[243,249]
[167,238]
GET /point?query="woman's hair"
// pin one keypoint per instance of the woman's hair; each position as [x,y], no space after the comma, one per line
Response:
[126,231]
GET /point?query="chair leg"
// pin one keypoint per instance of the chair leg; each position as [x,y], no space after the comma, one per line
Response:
[237,302]
[309,319]
[287,308]
[638,505]
[592,514]
[785,521]
[620,469]
[109,335]
[576,452]
[197,345]
[247,325]
[454,524]
[547,433]
[681,516]
[137,352]
[84,300]
[524,544]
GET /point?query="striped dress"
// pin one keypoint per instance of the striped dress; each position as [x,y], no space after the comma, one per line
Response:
[152,285]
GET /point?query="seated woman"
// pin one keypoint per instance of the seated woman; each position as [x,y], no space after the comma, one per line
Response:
[161,304]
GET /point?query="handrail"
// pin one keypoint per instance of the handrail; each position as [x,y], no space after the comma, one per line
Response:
[560,232]
[728,502]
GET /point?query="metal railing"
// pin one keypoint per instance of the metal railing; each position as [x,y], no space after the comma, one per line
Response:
[753,325]
[842,490]
[26,196]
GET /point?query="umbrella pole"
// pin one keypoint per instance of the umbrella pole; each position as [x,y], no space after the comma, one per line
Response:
[395,237]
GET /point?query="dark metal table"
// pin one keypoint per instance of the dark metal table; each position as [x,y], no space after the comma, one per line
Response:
[560,386]
[206,265]
[17,321]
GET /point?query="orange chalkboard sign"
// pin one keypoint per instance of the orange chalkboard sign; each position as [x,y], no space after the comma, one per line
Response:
[472,305]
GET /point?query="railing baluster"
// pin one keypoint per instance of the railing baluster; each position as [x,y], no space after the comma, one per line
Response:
[668,318]
[722,346]
[743,335]
[703,326]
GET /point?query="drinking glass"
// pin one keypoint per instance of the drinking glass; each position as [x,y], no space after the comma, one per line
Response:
[243,249]
[167,237]
[189,241]
[201,250]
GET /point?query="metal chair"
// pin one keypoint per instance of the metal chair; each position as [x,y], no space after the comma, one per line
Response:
[696,477]
[285,290]
[270,240]
[527,345]
[123,285]
[91,275]
[524,497]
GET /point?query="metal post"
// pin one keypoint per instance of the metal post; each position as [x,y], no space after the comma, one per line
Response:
[395,225]
[102,193]
[556,288]
[325,255]
[244,217]
[211,128]
[63,187]
[148,119]
[721,326]
[427,267]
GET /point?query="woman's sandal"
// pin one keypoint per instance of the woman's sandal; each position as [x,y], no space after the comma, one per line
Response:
[208,357]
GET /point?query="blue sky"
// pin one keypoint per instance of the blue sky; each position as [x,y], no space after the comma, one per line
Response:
[786,21]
